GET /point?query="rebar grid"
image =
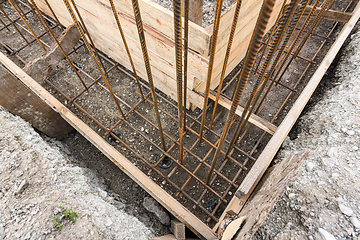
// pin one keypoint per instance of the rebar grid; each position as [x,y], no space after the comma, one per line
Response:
[202,140]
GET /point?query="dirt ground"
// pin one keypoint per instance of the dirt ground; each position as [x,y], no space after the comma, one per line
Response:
[311,203]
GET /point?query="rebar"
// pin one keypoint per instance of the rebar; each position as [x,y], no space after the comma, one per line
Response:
[249,60]
[211,63]
[140,29]
[226,59]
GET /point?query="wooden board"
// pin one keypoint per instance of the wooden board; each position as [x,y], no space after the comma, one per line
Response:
[103,29]
[21,101]
[267,193]
[179,211]
[245,26]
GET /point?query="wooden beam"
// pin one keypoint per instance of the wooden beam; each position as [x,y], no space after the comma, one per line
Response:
[254,119]
[173,206]
[331,15]
[258,169]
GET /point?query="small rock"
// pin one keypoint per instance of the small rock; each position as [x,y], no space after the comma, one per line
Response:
[27,236]
[142,129]
[152,206]
[23,185]
[326,235]
[310,166]
[2,232]
[355,222]
[351,132]
[346,210]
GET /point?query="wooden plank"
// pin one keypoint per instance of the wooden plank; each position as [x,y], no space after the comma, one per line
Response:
[19,100]
[267,193]
[124,164]
[239,47]
[270,150]
[254,119]
[161,19]
[161,50]
[236,204]
[331,15]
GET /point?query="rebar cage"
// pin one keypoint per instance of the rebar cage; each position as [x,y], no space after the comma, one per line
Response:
[200,157]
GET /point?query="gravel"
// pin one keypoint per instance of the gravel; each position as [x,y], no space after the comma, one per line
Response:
[35,179]
[326,194]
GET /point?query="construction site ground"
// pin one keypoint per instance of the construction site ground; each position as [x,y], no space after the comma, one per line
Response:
[323,199]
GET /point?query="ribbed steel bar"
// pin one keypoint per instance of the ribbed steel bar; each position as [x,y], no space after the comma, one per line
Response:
[4,25]
[126,45]
[27,24]
[34,12]
[179,81]
[314,25]
[286,26]
[186,49]
[53,13]
[140,29]
[136,153]
[21,11]
[13,24]
[249,60]
[271,34]
[211,63]
[93,52]
[50,31]
[301,31]
[226,59]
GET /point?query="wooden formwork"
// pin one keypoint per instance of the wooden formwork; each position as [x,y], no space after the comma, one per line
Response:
[159,33]
[168,201]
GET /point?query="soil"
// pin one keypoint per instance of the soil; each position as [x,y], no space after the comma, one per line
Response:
[81,153]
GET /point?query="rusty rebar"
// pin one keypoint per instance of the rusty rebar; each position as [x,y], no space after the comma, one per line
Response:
[58,43]
[186,49]
[126,45]
[211,63]
[27,24]
[53,13]
[228,49]
[286,26]
[13,24]
[249,60]
[93,52]
[178,63]
[141,33]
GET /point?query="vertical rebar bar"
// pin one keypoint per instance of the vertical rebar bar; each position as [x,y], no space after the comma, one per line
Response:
[249,60]
[178,63]
[126,46]
[286,26]
[186,49]
[228,49]
[141,33]
[211,64]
